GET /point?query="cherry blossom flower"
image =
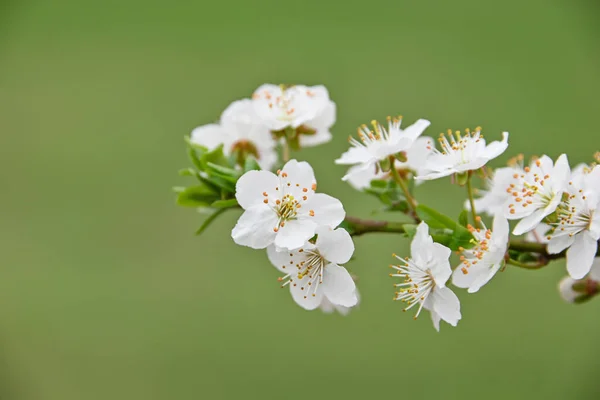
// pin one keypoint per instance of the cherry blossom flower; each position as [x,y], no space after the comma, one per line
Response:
[313,272]
[307,109]
[283,209]
[537,192]
[578,228]
[481,262]
[565,286]
[239,130]
[416,156]
[379,144]
[461,154]
[494,198]
[425,275]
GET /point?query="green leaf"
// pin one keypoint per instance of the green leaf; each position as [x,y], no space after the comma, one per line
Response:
[210,219]
[463,218]
[221,183]
[187,172]
[251,165]
[215,157]
[460,236]
[196,196]
[225,203]
[410,230]
[194,158]
[230,174]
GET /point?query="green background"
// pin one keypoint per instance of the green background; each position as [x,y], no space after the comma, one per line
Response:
[105,293]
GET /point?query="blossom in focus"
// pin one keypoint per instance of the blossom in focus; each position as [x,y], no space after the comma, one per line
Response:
[536,192]
[481,262]
[416,155]
[308,109]
[379,144]
[283,209]
[313,272]
[240,131]
[578,227]
[461,153]
[425,275]
[494,198]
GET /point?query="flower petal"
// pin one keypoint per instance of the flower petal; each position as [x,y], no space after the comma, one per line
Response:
[209,136]
[294,234]
[354,155]
[297,176]
[435,318]
[446,304]
[581,255]
[559,243]
[255,227]
[301,295]
[286,260]
[250,188]
[494,149]
[335,246]
[328,211]
[529,222]
[415,130]
[338,286]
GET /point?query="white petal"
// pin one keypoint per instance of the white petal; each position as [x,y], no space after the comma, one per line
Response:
[500,229]
[484,277]
[415,130]
[286,260]
[320,137]
[428,176]
[559,243]
[299,174]
[328,211]
[581,255]
[255,227]
[335,245]
[421,243]
[465,281]
[354,155]
[338,286]
[209,136]
[494,149]
[446,304]
[440,269]
[250,188]
[294,234]
[529,222]
[561,173]
[435,318]
[565,288]
[359,177]
[307,300]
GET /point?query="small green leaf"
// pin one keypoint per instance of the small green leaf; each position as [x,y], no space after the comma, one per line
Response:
[459,237]
[214,156]
[225,203]
[227,173]
[187,172]
[463,218]
[251,165]
[196,196]
[212,216]
[410,230]
[222,183]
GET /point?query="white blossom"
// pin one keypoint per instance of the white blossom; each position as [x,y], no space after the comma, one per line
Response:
[307,108]
[283,209]
[578,228]
[537,192]
[461,154]
[480,263]
[313,272]
[379,144]
[416,155]
[494,197]
[425,275]
[239,130]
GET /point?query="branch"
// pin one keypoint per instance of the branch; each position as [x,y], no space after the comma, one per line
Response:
[359,226]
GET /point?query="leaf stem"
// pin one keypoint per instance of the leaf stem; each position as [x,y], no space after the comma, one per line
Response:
[412,203]
[472,201]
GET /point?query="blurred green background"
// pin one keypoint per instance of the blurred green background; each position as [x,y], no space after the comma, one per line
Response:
[105,293]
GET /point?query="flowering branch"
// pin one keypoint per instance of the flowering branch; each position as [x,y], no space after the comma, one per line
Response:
[308,237]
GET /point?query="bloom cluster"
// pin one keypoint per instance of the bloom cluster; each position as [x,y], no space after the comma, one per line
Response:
[308,237]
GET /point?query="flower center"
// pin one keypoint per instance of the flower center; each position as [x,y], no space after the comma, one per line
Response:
[531,189]
[309,273]
[461,147]
[574,217]
[286,209]
[418,284]
[242,149]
